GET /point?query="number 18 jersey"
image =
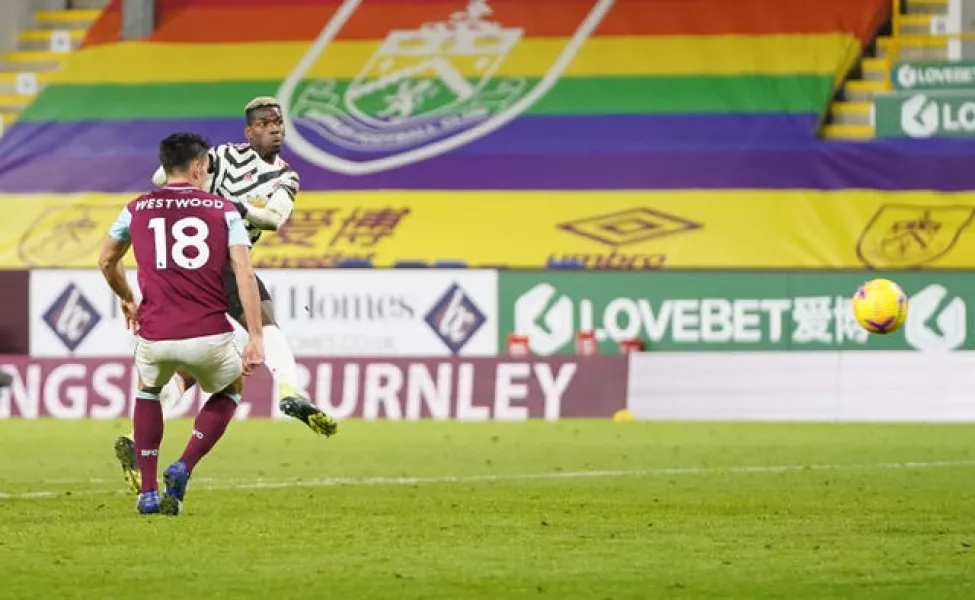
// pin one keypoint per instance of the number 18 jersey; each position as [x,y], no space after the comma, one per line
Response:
[181,237]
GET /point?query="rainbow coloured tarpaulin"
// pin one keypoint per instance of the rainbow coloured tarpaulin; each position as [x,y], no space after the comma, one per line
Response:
[487,94]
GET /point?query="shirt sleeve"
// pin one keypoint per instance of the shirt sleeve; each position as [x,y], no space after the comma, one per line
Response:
[120,228]
[214,172]
[236,232]
[275,213]
[291,183]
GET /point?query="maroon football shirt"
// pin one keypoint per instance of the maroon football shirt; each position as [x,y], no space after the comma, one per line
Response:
[181,238]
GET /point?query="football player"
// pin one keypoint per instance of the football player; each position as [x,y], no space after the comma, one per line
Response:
[263,187]
[184,239]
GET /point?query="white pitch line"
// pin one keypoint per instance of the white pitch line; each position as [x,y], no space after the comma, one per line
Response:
[262,484]
[115,480]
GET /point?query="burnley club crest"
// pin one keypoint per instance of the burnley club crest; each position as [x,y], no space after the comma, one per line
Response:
[422,92]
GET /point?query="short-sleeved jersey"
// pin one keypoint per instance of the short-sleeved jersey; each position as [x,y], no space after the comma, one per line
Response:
[181,237]
[238,173]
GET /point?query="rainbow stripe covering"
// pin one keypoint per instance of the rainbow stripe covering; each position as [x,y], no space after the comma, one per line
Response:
[483,94]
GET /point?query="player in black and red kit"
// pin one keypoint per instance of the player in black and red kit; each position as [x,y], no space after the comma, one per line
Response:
[183,239]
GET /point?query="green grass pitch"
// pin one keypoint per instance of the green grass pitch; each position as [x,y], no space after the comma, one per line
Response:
[445,510]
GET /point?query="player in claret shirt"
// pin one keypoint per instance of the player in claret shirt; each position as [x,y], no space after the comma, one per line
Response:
[183,239]
[263,187]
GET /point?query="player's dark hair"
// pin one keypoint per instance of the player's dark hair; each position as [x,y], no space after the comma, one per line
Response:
[178,150]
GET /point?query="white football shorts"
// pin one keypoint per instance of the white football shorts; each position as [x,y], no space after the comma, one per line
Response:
[213,360]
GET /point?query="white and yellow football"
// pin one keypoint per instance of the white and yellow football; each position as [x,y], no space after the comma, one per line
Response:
[880,306]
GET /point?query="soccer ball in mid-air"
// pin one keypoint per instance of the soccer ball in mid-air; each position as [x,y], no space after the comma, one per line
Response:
[880,306]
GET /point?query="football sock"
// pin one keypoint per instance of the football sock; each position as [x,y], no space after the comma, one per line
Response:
[280,361]
[147,420]
[209,426]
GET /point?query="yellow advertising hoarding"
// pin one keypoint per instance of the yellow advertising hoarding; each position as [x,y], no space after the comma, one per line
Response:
[638,229]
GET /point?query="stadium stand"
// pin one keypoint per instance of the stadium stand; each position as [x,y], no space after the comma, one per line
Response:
[549,95]
[35,39]
[917,32]
[663,94]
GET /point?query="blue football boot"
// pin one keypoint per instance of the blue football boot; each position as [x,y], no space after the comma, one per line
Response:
[149,503]
[176,477]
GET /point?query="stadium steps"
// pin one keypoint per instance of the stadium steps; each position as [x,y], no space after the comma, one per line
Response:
[862,90]
[14,102]
[14,83]
[916,47]
[938,7]
[848,132]
[34,61]
[41,51]
[916,24]
[66,19]
[875,69]
[851,115]
[38,40]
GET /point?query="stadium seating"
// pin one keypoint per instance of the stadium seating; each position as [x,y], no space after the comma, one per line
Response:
[38,41]
[663,94]
[485,95]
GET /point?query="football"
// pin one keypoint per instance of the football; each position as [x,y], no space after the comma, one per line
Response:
[880,306]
